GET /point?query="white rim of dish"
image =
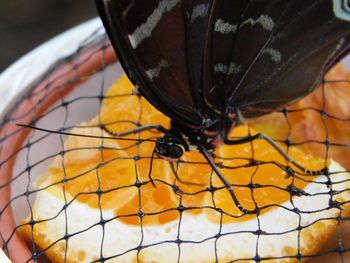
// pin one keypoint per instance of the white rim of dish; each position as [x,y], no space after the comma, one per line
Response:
[3,257]
[16,78]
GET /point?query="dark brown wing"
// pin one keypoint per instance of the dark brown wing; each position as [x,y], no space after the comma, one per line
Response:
[307,37]
[239,31]
[192,59]
[160,44]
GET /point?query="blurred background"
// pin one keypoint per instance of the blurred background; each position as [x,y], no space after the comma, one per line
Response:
[24,24]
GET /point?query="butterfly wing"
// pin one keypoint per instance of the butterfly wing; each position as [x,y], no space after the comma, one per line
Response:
[160,44]
[280,49]
[239,30]
[192,59]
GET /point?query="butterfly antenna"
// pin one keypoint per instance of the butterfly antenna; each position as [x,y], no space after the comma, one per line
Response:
[142,128]
[84,135]
[278,148]
[137,130]
[226,183]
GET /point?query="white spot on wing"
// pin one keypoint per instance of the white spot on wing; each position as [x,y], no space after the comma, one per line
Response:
[154,72]
[233,69]
[145,30]
[265,21]
[199,11]
[224,27]
[274,53]
[341,9]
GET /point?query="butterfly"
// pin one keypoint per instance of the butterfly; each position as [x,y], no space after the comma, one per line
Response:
[211,64]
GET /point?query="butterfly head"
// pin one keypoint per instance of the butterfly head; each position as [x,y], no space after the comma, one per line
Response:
[181,138]
[170,147]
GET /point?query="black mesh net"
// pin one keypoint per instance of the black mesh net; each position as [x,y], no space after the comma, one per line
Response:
[89,198]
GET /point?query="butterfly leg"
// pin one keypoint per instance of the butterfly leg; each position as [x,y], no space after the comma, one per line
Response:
[151,168]
[226,183]
[137,130]
[179,179]
[275,145]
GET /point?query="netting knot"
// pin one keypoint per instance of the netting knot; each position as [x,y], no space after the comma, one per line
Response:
[287,142]
[64,180]
[290,172]
[137,158]
[323,113]
[181,208]
[299,228]
[296,210]
[333,192]
[327,143]
[32,222]
[64,104]
[259,232]
[212,189]
[138,184]
[102,222]
[325,171]
[99,192]
[27,193]
[334,204]
[178,241]
[141,214]
[249,212]
[67,236]
[294,191]
[35,255]
[218,235]
[257,258]
[254,186]
[101,259]
[341,218]
[139,248]
[220,164]
[341,250]
[177,190]
[28,168]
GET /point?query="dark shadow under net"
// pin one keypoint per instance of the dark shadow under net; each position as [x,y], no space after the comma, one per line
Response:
[98,44]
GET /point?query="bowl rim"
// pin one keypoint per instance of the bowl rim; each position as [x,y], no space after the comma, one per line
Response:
[19,78]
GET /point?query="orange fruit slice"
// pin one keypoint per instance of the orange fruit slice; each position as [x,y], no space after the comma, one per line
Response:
[323,116]
[99,193]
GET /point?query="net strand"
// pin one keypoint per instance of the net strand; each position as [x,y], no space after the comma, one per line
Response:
[173,182]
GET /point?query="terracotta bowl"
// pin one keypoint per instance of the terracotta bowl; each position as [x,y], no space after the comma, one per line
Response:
[77,64]
[30,89]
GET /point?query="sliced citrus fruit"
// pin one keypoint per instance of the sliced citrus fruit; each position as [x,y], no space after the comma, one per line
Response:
[97,202]
[319,123]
